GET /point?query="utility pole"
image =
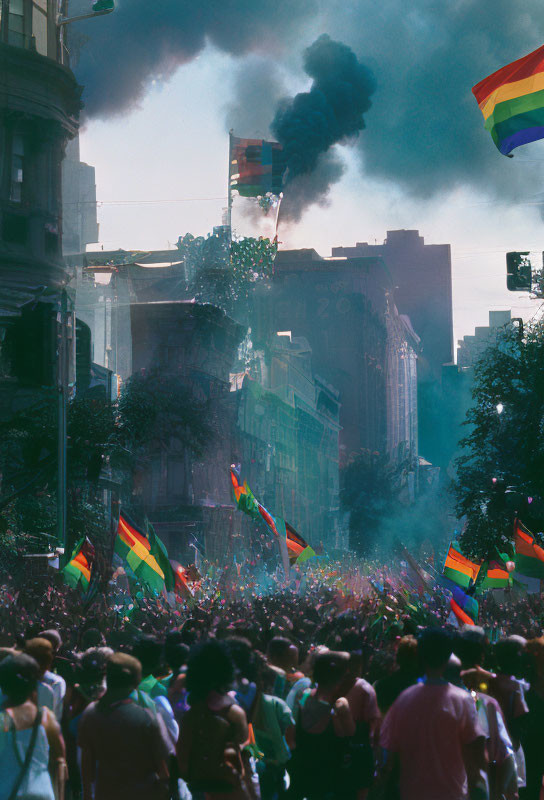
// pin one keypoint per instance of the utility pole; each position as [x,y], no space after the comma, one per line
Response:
[62,390]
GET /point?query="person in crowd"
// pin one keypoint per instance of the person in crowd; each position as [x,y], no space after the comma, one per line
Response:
[406,674]
[471,646]
[274,730]
[123,749]
[433,734]
[214,728]
[49,692]
[508,688]
[531,728]
[321,768]
[283,654]
[32,755]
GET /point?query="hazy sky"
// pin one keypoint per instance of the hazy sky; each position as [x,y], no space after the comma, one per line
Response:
[161,170]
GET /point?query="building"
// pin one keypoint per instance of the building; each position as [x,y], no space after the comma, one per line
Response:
[79,216]
[422,279]
[472,346]
[189,500]
[39,109]
[419,272]
[344,308]
[287,439]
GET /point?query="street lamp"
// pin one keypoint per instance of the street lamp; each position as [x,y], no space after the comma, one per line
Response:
[500,408]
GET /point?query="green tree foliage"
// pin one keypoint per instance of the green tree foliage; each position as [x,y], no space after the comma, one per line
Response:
[105,441]
[226,275]
[503,462]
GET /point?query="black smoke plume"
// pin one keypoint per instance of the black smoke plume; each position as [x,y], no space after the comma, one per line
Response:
[310,123]
[147,40]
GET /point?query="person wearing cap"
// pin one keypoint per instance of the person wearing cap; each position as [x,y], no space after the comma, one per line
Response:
[32,754]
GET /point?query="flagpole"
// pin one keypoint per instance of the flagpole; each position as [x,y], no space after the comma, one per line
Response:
[229,189]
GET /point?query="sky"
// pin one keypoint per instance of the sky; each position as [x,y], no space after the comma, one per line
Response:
[161,164]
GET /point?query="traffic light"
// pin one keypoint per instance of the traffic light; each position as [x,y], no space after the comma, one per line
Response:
[104,6]
[518,272]
[34,345]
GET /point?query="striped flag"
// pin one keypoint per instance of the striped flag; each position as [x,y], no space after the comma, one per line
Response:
[464,607]
[181,576]
[496,576]
[77,573]
[133,546]
[529,555]
[460,569]
[298,548]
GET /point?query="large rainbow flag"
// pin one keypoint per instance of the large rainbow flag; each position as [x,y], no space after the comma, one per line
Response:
[529,555]
[512,102]
[460,569]
[132,545]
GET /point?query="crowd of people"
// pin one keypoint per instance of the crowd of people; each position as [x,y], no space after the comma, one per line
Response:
[345,687]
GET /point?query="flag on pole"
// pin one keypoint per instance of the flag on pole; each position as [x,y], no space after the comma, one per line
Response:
[529,555]
[459,569]
[161,556]
[77,572]
[133,546]
[512,102]
[496,576]
[256,167]
[181,587]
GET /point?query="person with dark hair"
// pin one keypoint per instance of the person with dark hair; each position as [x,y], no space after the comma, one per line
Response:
[432,732]
[321,768]
[283,655]
[32,755]
[531,729]
[123,750]
[214,728]
[408,671]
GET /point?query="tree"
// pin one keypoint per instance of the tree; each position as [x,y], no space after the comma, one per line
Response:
[102,436]
[227,274]
[501,472]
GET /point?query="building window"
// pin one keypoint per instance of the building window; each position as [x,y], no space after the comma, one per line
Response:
[16,23]
[17,168]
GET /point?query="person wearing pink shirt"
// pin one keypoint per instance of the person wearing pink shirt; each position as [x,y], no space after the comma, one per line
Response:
[432,733]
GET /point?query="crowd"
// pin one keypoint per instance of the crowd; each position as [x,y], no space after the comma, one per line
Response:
[338,689]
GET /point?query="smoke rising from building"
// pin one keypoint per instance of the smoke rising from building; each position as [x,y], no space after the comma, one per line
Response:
[142,42]
[310,123]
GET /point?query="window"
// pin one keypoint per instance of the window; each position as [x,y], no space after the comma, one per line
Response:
[39,25]
[17,168]
[16,23]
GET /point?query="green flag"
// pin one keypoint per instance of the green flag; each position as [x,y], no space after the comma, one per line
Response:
[306,554]
[161,556]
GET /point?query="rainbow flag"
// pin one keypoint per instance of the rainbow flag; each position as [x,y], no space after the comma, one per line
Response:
[512,102]
[496,576]
[256,166]
[298,548]
[529,555]
[77,573]
[464,607]
[459,569]
[133,546]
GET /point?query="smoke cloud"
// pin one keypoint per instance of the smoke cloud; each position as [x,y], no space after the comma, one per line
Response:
[143,41]
[310,123]
[257,86]
[427,131]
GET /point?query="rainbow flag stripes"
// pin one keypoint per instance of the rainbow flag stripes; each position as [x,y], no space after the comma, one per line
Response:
[512,102]
[77,573]
[496,576]
[529,555]
[134,547]
[459,569]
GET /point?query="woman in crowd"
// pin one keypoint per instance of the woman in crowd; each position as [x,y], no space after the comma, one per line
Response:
[32,755]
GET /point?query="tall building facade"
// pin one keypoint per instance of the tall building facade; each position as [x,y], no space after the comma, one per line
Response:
[345,309]
[39,109]
[472,346]
[79,215]
[286,435]
[421,275]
